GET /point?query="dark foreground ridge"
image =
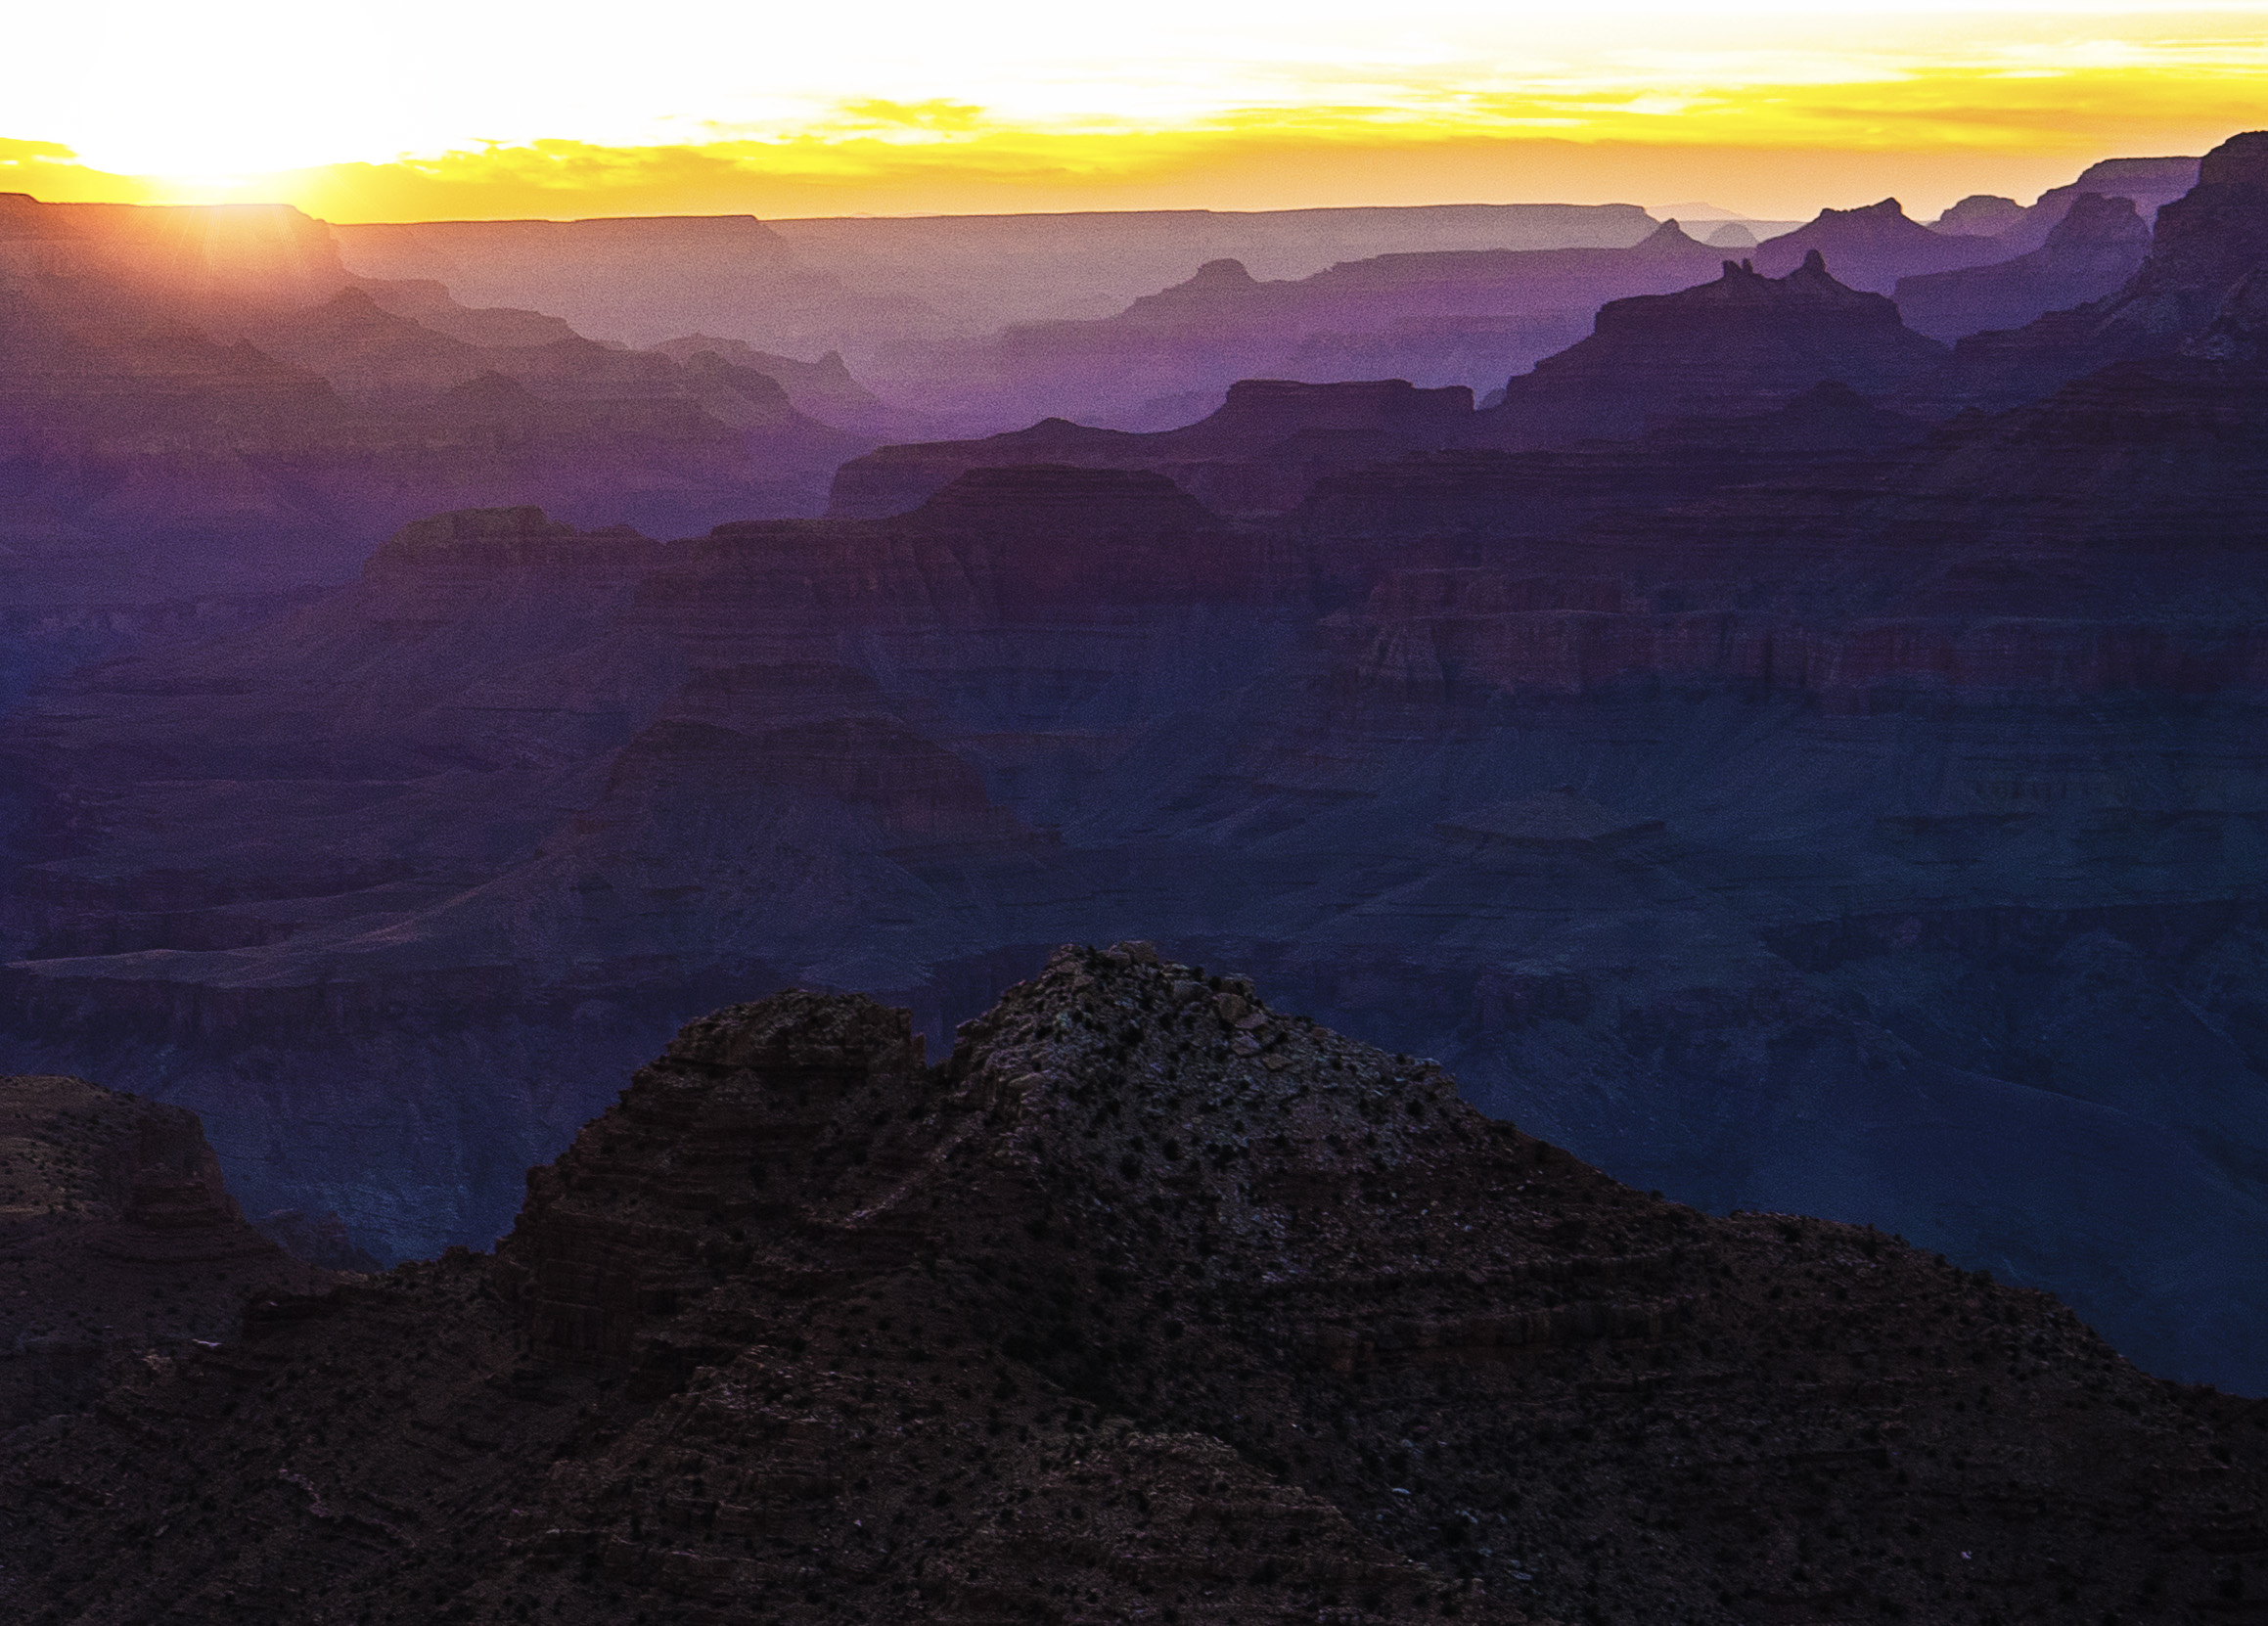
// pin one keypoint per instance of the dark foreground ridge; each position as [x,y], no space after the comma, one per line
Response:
[120,1245]
[1148,1303]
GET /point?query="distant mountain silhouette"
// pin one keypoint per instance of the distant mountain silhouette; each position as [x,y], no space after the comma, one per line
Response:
[1269,441]
[1433,318]
[1872,248]
[1744,344]
[2152,183]
[2099,243]
[2205,248]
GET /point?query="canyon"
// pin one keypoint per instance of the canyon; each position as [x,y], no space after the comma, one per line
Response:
[1789,763]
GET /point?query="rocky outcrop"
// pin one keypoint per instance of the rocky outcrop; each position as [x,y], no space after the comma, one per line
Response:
[1260,451]
[2099,243]
[1152,1295]
[120,1245]
[1743,344]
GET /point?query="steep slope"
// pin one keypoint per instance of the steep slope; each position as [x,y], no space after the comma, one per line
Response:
[2099,243]
[120,1245]
[1745,344]
[1150,1298]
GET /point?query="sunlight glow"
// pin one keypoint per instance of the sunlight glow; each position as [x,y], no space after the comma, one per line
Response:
[363,107]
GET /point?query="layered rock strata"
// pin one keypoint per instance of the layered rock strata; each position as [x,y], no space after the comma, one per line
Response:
[1975,710]
[120,1245]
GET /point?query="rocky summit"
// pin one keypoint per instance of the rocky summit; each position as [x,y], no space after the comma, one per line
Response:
[1149,1302]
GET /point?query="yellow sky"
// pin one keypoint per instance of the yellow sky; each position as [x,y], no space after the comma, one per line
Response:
[417,108]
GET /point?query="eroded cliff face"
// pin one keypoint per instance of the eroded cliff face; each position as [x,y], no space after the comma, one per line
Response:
[120,1245]
[1151,1296]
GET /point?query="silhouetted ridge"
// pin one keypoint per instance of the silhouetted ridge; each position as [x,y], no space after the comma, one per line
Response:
[119,1244]
[2203,247]
[1872,248]
[2099,243]
[1261,448]
[1742,344]
[1150,1297]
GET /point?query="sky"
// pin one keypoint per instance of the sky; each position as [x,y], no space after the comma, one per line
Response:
[473,109]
